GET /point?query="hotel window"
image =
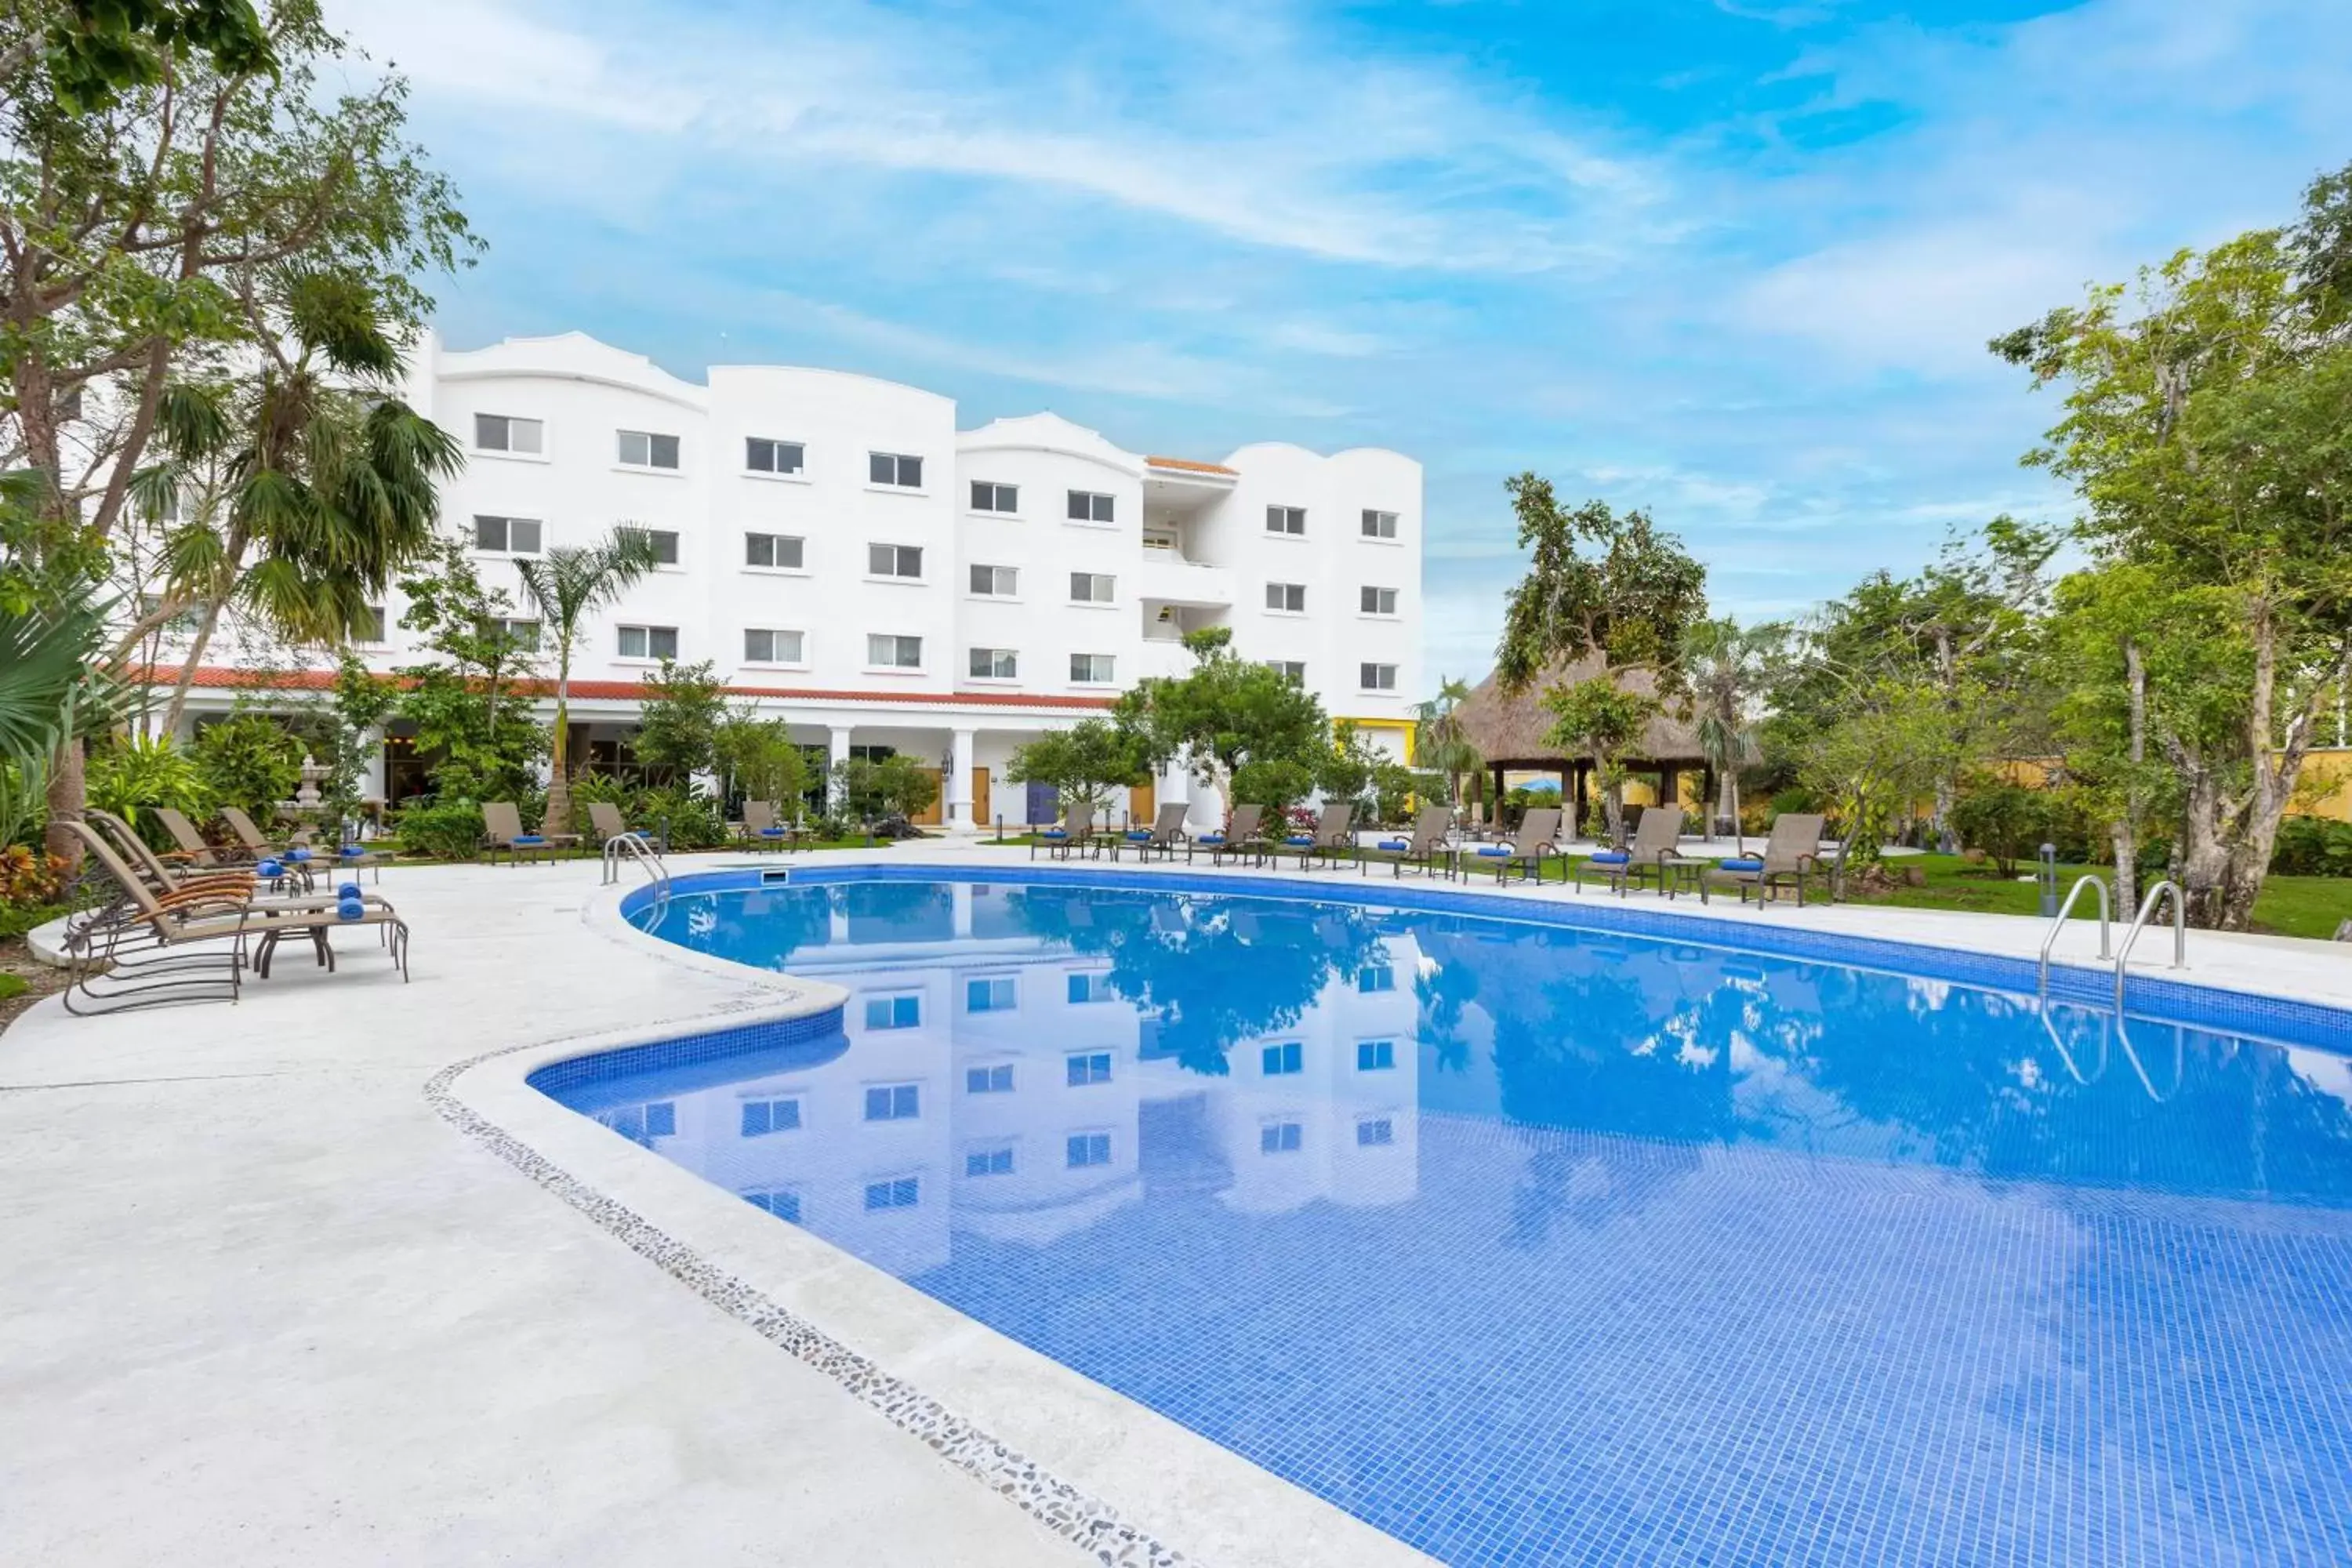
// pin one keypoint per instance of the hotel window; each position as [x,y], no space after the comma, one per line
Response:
[992,994]
[986,496]
[1290,520]
[665,544]
[1377,677]
[995,664]
[894,1102]
[648,642]
[1278,1138]
[904,1193]
[367,625]
[1089,506]
[1375,1056]
[1086,1067]
[988,1163]
[996,582]
[1379,524]
[894,560]
[1085,988]
[997,1080]
[524,635]
[1093,668]
[894,468]
[1083,1149]
[643,449]
[884,651]
[1294,671]
[894,1011]
[1375,978]
[778,551]
[762,1116]
[1282,1060]
[1289,598]
[502,433]
[514,535]
[763,456]
[784,1205]
[762,644]
[1375,1133]
[1092,587]
[1377,601]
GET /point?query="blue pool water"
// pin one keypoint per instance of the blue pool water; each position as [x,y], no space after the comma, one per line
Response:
[1545,1246]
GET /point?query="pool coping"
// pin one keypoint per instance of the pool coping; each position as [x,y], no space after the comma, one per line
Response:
[1121,1480]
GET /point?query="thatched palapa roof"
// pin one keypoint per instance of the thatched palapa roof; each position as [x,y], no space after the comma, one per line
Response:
[1510,728]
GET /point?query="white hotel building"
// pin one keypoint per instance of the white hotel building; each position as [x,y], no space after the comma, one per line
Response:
[852,560]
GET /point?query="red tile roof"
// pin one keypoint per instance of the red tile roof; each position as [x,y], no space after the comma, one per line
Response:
[629,690]
[1189,465]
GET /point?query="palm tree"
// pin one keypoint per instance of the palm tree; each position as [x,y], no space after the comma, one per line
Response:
[298,493]
[1439,744]
[1724,665]
[566,584]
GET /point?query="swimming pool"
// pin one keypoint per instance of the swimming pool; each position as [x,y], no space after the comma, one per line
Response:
[1530,1244]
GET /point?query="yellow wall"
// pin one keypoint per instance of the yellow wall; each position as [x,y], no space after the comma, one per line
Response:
[2325,789]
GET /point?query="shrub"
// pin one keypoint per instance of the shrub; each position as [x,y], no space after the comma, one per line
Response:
[2312,846]
[248,760]
[448,830]
[29,876]
[693,818]
[2008,821]
[1276,786]
[138,772]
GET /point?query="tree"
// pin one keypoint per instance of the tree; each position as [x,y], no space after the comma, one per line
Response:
[2206,431]
[1439,742]
[299,492]
[1892,744]
[565,585]
[1598,582]
[1085,763]
[1228,711]
[162,159]
[1277,784]
[1725,664]
[1602,718]
[759,758]
[679,718]
[463,703]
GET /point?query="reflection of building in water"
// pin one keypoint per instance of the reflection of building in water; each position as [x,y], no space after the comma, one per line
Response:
[997,1082]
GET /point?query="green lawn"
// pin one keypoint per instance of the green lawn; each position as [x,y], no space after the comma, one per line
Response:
[13,986]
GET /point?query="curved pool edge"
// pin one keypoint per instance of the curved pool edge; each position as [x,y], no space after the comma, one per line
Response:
[1114,1478]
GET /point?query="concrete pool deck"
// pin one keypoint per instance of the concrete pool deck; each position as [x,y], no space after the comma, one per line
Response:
[266,1304]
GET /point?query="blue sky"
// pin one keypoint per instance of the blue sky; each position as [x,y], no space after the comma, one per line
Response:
[1733,260]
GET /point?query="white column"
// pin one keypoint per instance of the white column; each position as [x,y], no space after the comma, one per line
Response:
[1175,785]
[837,752]
[959,782]
[960,905]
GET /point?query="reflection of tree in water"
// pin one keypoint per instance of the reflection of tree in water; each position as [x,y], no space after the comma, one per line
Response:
[1216,970]
[766,925]
[899,911]
[1444,991]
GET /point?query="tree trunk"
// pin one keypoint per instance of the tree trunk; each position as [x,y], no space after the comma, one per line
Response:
[559,777]
[1731,811]
[188,667]
[2124,837]
[66,799]
[2201,858]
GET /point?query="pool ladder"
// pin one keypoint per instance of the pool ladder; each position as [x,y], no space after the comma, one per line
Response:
[2120,956]
[627,846]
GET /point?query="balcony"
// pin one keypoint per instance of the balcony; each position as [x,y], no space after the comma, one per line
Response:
[1165,577]
[1164,655]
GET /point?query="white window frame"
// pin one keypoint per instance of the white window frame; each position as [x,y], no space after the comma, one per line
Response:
[1369,526]
[1009,657]
[775,543]
[1371,669]
[381,635]
[996,492]
[888,1001]
[896,665]
[1377,593]
[899,553]
[1278,519]
[1107,663]
[647,631]
[535,454]
[621,459]
[896,484]
[1291,669]
[1107,582]
[676,561]
[1286,592]
[506,625]
[797,473]
[771,632]
[1011,984]
[1009,575]
[1101,509]
[505,530]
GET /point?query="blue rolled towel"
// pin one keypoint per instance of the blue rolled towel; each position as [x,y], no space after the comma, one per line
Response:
[1138,836]
[1210,838]
[269,869]
[350,890]
[1399,846]
[299,853]
[771,833]
[350,909]
[1739,865]
[1497,850]
[351,851]
[529,839]
[1610,857]
[1055,833]
[1300,840]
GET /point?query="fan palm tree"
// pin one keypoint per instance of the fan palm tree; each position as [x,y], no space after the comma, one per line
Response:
[1724,665]
[298,493]
[1439,744]
[566,585]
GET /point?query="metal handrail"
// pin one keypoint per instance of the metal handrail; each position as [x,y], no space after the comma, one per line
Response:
[2180,1059]
[2067,1057]
[2139,923]
[2097,884]
[632,846]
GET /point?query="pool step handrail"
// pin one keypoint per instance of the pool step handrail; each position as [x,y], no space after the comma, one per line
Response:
[2139,923]
[632,846]
[2097,885]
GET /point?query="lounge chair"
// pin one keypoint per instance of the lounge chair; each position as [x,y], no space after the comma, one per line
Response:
[605,820]
[151,869]
[1422,850]
[502,825]
[153,950]
[1074,833]
[1240,838]
[192,846]
[1791,853]
[761,826]
[1538,837]
[1166,832]
[1653,849]
[1334,832]
[254,842]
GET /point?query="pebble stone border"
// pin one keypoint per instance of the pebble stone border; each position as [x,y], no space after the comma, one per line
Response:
[1061,1507]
